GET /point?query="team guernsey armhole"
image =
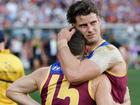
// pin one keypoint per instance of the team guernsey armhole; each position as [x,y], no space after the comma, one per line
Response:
[43,83]
[90,89]
[118,59]
[113,74]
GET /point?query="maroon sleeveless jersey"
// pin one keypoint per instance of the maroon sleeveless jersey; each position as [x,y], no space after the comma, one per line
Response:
[118,87]
[56,90]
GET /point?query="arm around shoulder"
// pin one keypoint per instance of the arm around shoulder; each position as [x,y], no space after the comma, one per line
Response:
[80,71]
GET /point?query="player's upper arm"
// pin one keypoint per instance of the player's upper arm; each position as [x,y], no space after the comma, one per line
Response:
[106,57]
[87,70]
[103,93]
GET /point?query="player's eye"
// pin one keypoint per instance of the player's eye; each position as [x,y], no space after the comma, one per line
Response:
[83,25]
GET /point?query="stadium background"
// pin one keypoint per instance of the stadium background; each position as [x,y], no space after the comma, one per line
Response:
[31,26]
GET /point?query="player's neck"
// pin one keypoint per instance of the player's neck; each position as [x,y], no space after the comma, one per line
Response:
[95,45]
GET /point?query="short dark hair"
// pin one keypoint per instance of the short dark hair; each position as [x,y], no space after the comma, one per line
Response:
[77,43]
[83,7]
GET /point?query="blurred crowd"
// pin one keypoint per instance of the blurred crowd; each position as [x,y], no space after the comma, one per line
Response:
[34,52]
[34,12]
[30,27]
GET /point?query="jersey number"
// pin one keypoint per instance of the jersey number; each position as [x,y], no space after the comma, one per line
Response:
[64,91]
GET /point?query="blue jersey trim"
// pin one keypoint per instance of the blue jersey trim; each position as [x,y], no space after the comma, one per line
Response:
[92,53]
[56,68]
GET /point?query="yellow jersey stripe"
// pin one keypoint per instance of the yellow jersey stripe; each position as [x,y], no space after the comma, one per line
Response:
[51,89]
[43,83]
[90,89]
[109,72]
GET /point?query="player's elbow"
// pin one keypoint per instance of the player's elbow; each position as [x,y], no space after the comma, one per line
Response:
[73,77]
[73,80]
[9,92]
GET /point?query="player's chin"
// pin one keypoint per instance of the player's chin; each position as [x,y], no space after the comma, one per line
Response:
[90,42]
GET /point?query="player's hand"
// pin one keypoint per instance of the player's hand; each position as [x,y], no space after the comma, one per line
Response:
[66,33]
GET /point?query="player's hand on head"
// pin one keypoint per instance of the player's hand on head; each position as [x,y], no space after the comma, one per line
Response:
[66,33]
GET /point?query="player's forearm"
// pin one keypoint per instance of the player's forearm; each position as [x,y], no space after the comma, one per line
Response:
[69,63]
[20,88]
[75,70]
[21,98]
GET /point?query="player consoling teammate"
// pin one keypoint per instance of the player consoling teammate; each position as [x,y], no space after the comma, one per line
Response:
[70,81]
[102,57]
[56,90]
[11,69]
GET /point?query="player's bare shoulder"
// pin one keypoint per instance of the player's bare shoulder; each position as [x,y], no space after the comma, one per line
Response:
[117,54]
[106,57]
[106,50]
[40,74]
[113,52]
[117,61]
[43,71]
[101,78]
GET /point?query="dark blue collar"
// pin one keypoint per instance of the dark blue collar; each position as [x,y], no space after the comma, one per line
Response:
[91,53]
[56,68]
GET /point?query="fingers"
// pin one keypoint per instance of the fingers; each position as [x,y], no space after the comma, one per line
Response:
[66,33]
[71,29]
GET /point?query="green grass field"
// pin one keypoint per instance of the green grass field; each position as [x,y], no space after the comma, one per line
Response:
[134,87]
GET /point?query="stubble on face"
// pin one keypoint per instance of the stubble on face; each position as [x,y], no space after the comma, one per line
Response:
[89,43]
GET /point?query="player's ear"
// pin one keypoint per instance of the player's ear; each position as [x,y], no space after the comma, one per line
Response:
[73,25]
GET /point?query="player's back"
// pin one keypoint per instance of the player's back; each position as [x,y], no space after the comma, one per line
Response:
[56,90]
[10,70]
